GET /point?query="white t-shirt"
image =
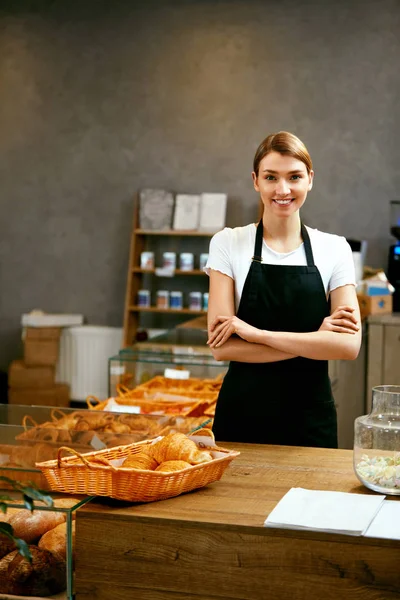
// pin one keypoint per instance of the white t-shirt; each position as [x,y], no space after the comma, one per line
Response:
[231,251]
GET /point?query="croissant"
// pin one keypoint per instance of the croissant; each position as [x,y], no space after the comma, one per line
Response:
[173,465]
[176,446]
[141,460]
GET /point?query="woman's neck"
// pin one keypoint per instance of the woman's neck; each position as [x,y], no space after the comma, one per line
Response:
[283,235]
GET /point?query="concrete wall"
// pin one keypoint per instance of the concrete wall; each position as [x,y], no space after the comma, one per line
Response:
[99,99]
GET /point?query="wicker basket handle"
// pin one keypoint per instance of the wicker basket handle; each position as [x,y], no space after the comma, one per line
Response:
[25,419]
[89,403]
[122,389]
[87,463]
[54,412]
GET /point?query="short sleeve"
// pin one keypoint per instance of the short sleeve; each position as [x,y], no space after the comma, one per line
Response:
[343,271]
[220,255]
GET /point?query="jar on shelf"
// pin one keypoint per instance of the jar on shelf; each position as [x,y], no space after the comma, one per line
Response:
[377,442]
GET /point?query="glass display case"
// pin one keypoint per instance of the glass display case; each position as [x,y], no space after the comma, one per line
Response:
[180,353]
[30,434]
[377,442]
[49,532]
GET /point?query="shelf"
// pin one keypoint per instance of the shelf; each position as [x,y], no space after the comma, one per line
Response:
[176,272]
[174,232]
[175,311]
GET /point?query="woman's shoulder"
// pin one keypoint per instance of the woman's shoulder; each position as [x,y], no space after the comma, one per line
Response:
[327,240]
[235,235]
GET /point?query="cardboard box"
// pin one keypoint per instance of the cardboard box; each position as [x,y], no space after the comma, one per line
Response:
[58,395]
[374,305]
[42,333]
[22,376]
[41,346]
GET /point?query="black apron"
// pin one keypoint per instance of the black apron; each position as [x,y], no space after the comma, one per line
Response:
[288,402]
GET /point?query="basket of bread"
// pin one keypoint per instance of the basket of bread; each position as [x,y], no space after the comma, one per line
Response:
[45,531]
[145,471]
[164,395]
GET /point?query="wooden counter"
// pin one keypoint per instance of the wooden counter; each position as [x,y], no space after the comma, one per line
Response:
[211,543]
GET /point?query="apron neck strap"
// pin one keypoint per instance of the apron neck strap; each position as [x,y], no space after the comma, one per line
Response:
[304,234]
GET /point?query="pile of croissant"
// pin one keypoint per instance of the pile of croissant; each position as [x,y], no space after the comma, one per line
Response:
[45,532]
[79,427]
[174,452]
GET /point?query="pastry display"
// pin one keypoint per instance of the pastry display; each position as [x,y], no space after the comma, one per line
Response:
[46,534]
[77,429]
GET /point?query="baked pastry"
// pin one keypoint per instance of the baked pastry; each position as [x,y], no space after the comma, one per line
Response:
[30,526]
[173,465]
[55,540]
[6,545]
[27,456]
[44,576]
[177,446]
[140,460]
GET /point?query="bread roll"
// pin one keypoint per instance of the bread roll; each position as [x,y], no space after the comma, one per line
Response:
[55,540]
[173,465]
[140,460]
[29,526]
[44,576]
[6,545]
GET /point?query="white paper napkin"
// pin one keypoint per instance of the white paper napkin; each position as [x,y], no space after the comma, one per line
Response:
[337,512]
[386,523]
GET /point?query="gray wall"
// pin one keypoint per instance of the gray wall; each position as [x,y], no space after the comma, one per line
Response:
[99,99]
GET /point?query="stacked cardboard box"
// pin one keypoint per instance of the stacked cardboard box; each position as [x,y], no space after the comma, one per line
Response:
[32,380]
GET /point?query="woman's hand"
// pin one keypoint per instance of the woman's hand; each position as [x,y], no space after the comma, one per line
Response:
[342,320]
[222,328]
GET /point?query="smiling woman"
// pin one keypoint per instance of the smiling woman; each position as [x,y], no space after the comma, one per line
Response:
[282,303]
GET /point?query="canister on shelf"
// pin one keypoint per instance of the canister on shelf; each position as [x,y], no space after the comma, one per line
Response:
[205,301]
[175,300]
[195,300]
[203,260]
[147,260]
[186,261]
[162,299]
[169,260]
[143,298]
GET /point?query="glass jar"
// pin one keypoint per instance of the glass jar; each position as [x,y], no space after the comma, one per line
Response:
[377,442]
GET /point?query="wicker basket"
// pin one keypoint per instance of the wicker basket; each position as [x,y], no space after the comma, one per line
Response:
[79,474]
[190,407]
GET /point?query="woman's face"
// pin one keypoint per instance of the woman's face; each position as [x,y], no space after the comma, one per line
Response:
[283,183]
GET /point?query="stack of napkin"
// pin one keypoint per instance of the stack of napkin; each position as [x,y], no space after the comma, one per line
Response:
[335,512]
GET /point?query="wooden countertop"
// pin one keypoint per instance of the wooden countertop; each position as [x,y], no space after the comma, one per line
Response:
[211,543]
[249,489]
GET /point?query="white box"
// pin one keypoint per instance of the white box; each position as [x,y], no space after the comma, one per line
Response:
[212,212]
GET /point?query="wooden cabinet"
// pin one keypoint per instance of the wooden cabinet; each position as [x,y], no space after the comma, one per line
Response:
[212,543]
[383,352]
[195,280]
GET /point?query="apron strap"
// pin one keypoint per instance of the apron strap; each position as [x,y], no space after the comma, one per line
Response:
[255,268]
[307,246]
[304,234]
[258,244]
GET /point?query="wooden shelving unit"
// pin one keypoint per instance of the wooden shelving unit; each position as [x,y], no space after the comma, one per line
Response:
[139,239]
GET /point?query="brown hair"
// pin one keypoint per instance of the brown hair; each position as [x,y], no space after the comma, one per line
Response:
[284,143]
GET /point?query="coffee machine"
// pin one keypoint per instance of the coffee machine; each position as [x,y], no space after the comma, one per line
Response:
[394,253]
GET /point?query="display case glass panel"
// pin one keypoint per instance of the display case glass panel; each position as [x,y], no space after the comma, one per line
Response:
[49,533]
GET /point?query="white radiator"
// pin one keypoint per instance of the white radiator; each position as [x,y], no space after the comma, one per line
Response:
[83,360]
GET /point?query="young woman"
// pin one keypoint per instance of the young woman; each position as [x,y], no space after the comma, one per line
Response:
[282,303]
